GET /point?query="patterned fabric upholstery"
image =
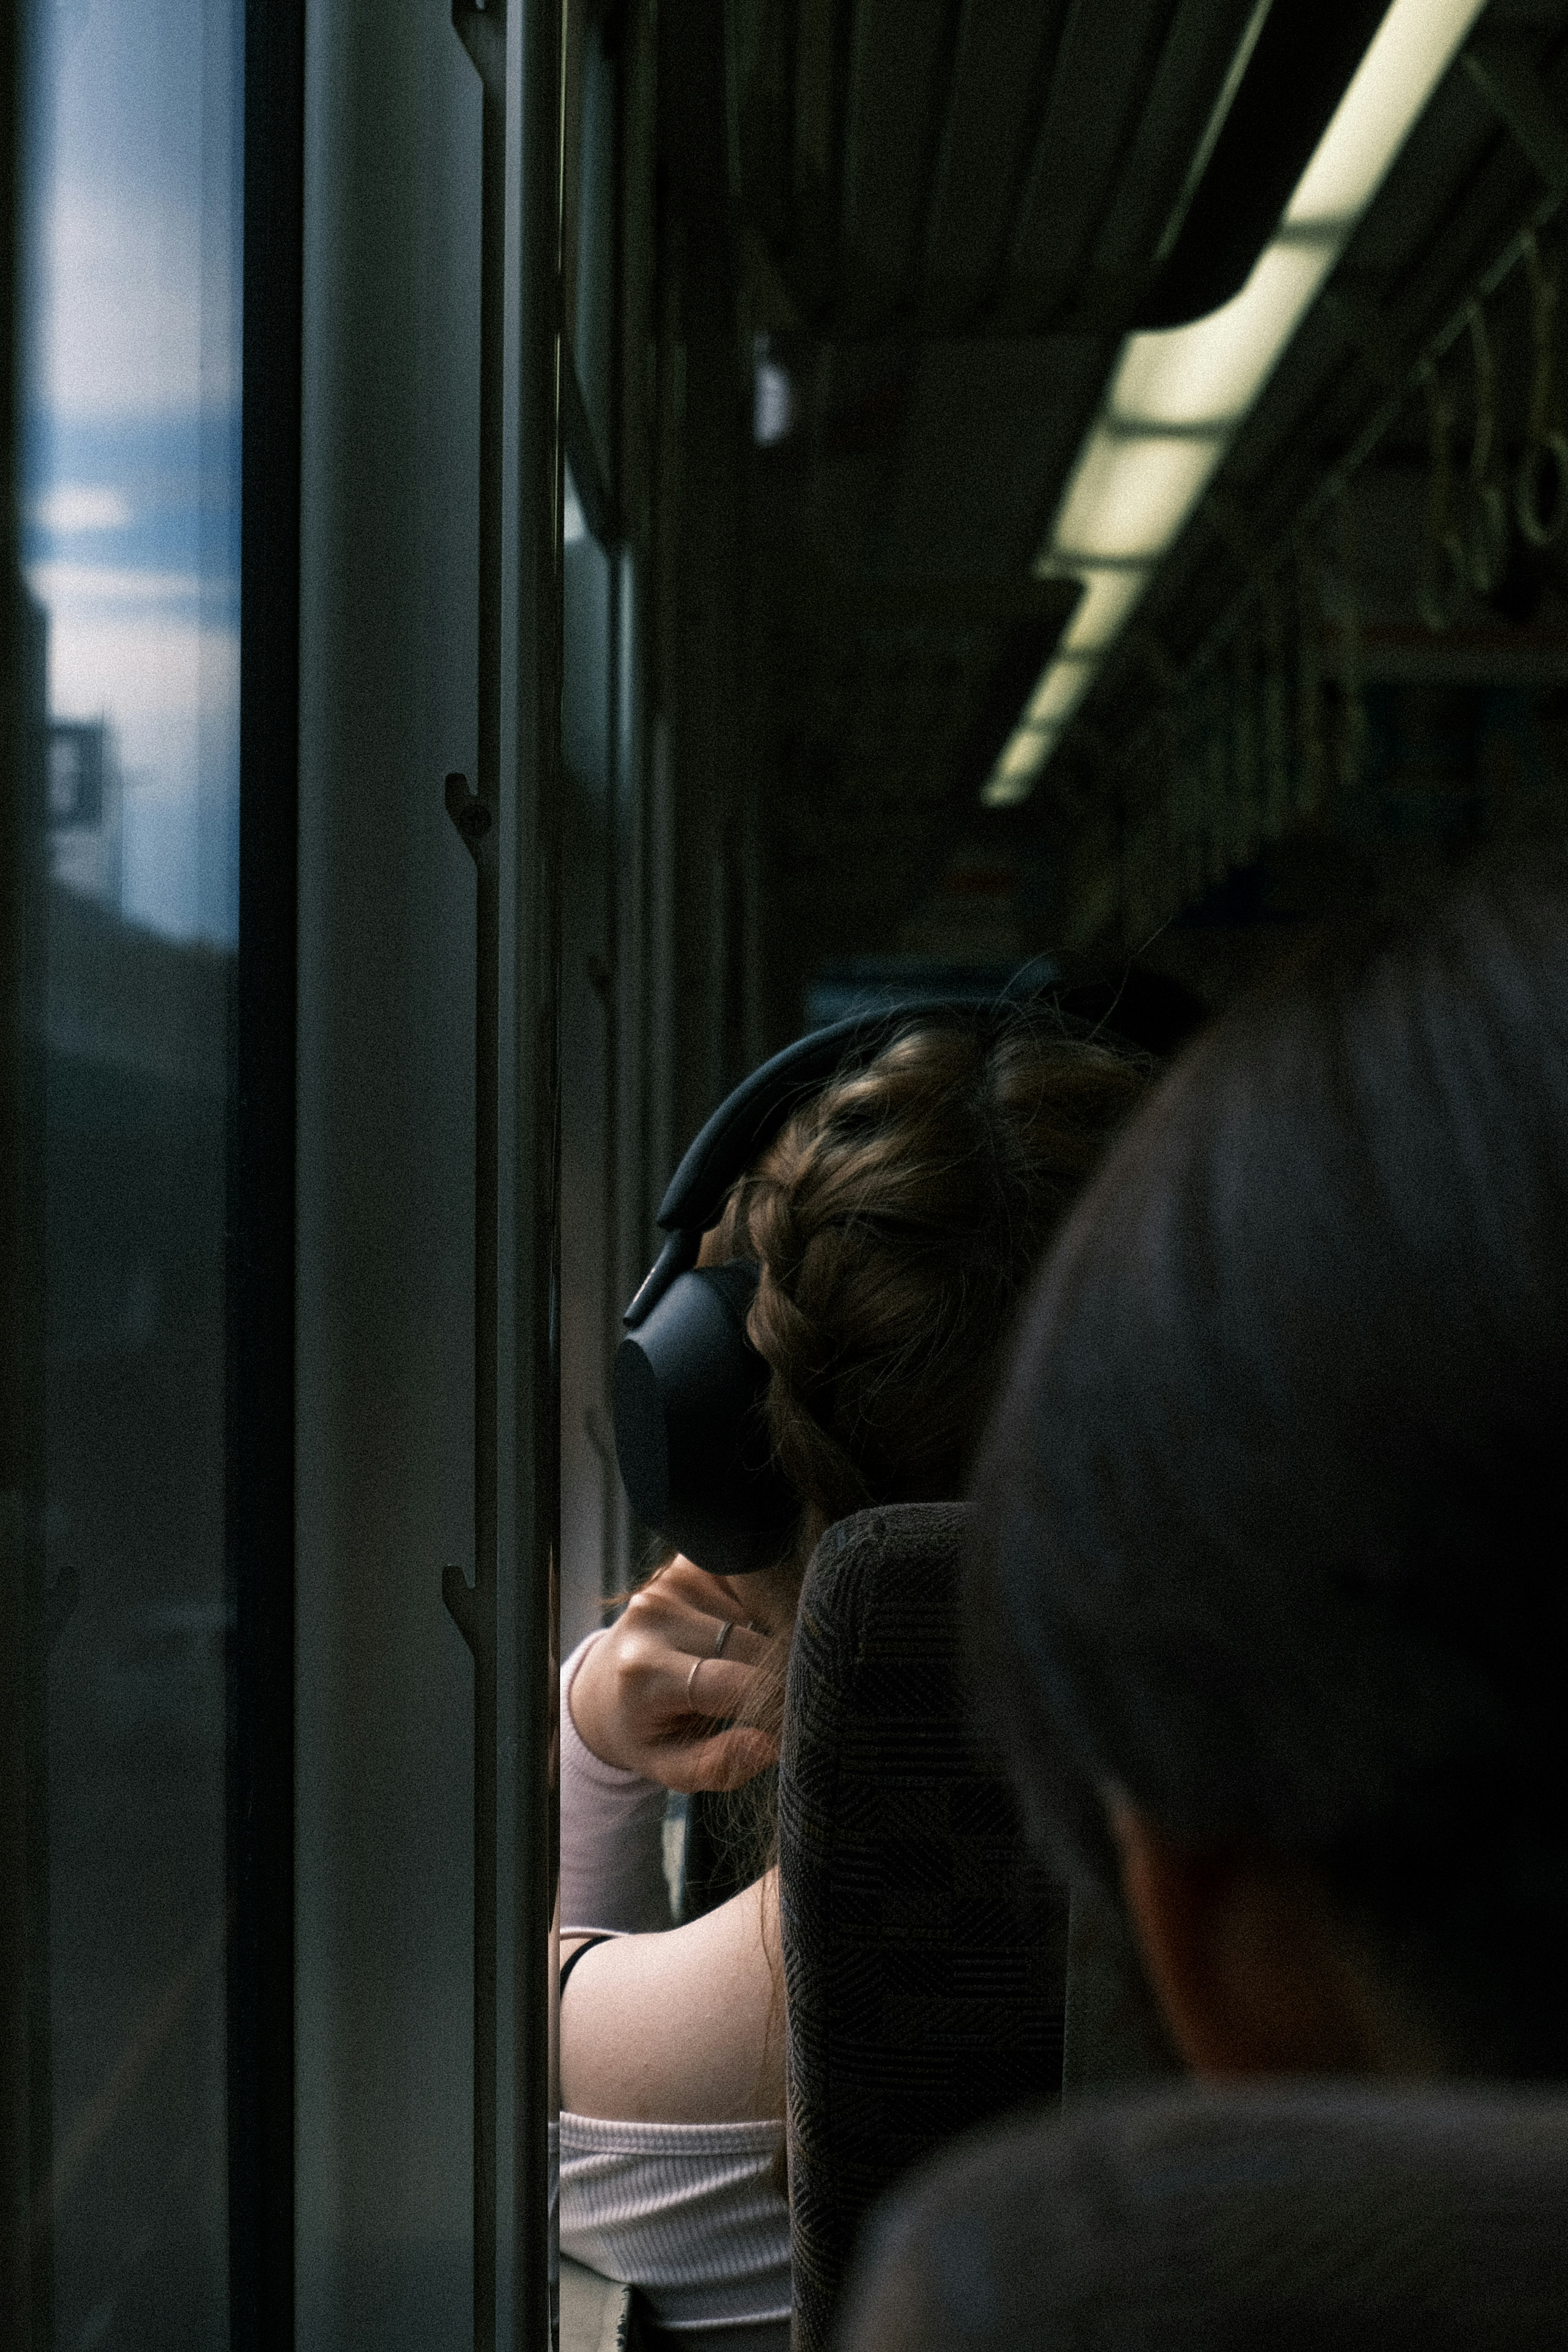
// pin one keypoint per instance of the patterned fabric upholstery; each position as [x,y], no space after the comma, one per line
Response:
[924,1949]
[1276,2220]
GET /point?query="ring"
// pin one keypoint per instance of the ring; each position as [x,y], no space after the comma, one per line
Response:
[725,1630]
[691,1677]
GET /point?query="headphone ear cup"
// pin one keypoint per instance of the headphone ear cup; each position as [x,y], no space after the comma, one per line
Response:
[688,1395]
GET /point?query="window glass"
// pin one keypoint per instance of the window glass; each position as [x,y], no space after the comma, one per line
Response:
[590,1309]
[130,540]
[593,329]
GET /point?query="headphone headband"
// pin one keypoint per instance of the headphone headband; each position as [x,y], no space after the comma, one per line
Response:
[748,1119]
[746,1122]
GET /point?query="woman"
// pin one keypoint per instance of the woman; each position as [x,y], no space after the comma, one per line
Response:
[894,1220]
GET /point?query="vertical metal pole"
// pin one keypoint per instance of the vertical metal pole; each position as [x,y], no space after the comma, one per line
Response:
[529,1159]
[476,815]
[261,1270]
[510,821]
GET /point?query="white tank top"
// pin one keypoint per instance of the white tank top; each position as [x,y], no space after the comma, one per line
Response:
[690,2213]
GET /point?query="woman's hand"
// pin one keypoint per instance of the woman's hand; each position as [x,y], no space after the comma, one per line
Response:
[683,1656]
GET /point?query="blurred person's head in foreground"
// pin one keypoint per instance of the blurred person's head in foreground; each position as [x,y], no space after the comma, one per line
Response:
[1271,1598]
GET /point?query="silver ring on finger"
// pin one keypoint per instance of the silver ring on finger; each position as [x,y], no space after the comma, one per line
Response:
[725,1630]
[690,1678]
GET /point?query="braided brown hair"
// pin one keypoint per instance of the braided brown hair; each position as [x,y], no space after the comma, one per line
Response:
[895,1219]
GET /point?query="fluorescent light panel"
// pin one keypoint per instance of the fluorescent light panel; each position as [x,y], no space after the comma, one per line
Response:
[1178,397]
[1128,495]
[1206,377]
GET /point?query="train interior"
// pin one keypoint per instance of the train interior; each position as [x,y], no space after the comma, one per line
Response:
[554,552]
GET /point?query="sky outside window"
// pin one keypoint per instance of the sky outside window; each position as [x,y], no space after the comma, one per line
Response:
[130,519]
[133,500]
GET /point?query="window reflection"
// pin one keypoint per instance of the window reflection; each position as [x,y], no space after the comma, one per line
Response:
[131,537]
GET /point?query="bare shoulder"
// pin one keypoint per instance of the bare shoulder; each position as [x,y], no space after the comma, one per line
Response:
[683,2027]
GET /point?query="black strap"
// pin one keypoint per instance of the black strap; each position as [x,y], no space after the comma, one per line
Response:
[570,1962]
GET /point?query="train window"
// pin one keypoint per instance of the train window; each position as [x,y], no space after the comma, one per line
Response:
[131,505]
[590,1517]
[591,227]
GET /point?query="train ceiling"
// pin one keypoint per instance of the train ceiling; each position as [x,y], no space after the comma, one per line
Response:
[944,215]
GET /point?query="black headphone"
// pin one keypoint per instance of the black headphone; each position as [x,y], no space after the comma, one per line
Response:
[688,1389]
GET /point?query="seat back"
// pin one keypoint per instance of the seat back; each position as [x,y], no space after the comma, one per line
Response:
[924,1947]
[1367,2220]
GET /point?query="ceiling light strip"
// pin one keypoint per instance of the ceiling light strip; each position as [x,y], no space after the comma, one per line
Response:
[1178,396]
